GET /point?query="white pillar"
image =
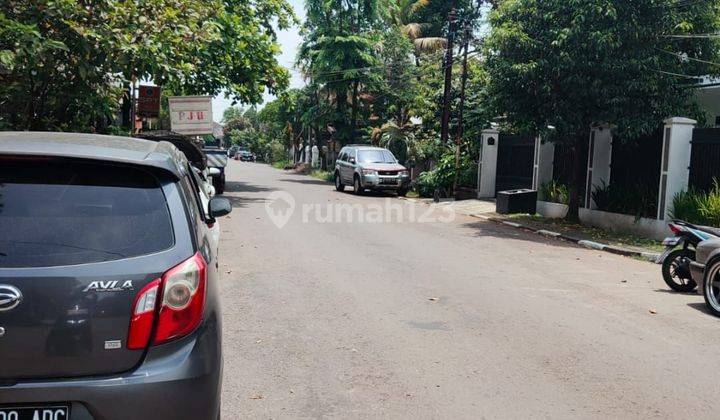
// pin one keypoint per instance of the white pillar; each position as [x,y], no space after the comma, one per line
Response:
[487,164]
[315,157]
[543,163]
[675,166]
[599,161]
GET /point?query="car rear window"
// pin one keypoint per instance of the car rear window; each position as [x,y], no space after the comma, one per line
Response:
[62,213]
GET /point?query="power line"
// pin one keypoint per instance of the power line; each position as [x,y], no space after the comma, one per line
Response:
[693,36]
[685,57]
[687,76]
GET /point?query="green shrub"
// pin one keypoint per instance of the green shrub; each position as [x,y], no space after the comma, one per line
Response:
[441,178]
[553,192]
[281,164]
[686,206]
[698,207]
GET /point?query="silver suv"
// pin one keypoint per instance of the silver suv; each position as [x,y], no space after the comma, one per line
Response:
[368,167]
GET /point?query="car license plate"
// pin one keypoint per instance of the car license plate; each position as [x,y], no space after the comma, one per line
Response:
[388,181]
[50,412]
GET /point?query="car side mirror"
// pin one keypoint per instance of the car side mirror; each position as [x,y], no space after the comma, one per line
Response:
[214,172]
[352,160]
[219,207]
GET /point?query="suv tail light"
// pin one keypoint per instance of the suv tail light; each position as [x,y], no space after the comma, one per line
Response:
[180,295]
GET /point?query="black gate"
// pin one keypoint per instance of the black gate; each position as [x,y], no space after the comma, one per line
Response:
[515,162]
[705,158]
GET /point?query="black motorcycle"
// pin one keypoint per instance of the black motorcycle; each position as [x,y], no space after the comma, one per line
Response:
[680,251]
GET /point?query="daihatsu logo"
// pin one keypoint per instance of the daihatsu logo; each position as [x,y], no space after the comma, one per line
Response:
[10,297]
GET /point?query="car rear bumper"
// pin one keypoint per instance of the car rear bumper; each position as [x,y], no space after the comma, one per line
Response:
[178,380]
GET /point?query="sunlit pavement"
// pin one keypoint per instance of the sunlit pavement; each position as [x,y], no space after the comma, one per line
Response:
[438,319]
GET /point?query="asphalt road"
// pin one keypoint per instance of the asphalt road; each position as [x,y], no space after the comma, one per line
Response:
[428,318]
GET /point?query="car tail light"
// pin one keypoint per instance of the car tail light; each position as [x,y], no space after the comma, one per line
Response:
[675,228]
[177,300]
[143,316]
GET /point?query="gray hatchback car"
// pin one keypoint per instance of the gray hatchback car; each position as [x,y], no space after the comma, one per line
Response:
[368,167]
[108,282]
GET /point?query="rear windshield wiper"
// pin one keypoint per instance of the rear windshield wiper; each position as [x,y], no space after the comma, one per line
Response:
[2,254]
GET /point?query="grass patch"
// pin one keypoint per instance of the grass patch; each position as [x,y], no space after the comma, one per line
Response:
[412,194]
[621,239]
[280,164]
[324,175]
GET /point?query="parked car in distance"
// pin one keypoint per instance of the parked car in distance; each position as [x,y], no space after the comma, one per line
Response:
[247,156]
[108,279]
[232,151]
[368,167]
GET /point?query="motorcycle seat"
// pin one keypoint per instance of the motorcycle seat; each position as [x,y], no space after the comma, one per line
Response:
[710,230]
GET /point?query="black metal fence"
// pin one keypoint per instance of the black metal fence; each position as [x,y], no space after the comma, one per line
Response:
[636,163]
[635,176]
[705,158]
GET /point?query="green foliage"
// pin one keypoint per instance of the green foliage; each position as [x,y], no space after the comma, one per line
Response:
[281,164]
[322,175]
[698,207]
[638,200]
[63,64]
[572,64]
[442,176]
[553,192]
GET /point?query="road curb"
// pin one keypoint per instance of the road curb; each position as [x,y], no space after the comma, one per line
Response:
[647,256]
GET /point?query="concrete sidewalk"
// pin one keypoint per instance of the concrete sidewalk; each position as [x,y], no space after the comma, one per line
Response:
[485,209]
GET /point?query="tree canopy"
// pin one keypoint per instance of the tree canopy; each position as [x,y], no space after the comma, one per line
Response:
[63,63]
[557,67]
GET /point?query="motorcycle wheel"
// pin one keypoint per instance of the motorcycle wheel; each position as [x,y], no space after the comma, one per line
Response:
[676,270]
[711,287]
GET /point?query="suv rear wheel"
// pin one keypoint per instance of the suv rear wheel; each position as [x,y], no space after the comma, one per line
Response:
[338,182]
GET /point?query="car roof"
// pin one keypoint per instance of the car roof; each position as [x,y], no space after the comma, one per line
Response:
[154,154]
[364,147]
[184,143]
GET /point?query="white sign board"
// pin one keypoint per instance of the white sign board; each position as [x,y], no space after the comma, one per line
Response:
[191,115]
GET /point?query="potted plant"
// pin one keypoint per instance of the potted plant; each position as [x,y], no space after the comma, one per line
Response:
[552,200]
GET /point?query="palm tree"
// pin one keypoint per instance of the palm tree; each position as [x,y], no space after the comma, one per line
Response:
[403,14]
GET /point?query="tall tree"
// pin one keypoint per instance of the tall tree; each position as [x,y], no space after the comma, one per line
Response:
[63,63]
[570,64]
[339,51]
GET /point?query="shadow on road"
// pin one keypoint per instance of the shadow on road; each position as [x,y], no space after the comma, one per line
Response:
[310,181]
[232,188]
[672,292]
[241,202]
[239,186]
[495,230]
[700,306]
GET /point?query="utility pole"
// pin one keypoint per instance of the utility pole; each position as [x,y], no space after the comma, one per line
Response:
[445,127]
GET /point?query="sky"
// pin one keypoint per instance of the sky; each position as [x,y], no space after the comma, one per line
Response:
[289,41]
